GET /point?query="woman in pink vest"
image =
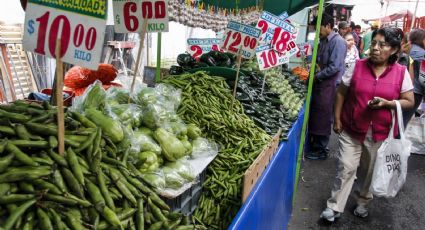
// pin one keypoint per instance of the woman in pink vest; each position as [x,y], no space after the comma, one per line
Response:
[363,118]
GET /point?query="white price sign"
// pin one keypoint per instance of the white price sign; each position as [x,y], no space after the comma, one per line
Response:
[198,46]
[304,49]
[267,57]
[79,24]
[130,14]
[268,23]
[284,42]
[242,36]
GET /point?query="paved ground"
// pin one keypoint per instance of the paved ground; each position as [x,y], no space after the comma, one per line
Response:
[405,212]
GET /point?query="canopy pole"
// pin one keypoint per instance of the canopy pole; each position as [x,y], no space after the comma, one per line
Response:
[158,58]
[308,98]
[414,15]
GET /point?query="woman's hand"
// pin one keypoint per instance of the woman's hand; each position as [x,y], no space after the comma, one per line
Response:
[379,103]
[337,126]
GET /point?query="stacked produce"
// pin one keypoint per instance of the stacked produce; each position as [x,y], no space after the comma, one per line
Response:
[91,187]
[77,79]
[291,89]
[156,140]
[263,107]
[208,102]
[211,59]
[301,72]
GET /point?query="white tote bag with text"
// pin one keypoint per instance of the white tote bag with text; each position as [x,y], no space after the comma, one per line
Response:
[390,168]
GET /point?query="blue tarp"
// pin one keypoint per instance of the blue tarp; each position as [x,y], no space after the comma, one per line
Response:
[269,205]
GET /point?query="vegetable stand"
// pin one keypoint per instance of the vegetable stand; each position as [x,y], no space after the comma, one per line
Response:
[277,182]
[125,147]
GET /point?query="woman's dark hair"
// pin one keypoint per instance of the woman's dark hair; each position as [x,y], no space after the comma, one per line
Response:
[417,37]
[393,38]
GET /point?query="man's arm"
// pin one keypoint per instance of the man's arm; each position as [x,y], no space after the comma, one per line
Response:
[335,62]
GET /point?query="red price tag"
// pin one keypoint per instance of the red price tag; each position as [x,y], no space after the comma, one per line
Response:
[304,49]
[281,40]
[284,42]
[238,36]
[268,58]
[81,31]
[198,46]
[129,15]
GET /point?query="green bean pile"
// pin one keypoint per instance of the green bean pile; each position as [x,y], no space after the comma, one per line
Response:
[91,187]
[208,103]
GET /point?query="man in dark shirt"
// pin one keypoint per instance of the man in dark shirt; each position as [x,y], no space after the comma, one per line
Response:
[331,56]
[343,28]
[355,35]
[358,31]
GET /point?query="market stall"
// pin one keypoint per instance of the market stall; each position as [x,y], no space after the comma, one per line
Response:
[201,149]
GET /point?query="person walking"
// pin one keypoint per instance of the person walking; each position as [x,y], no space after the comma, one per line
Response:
[364,46]
[358,31]
[363,119]
[417,53]
[352,30]
[331,56]
[352,52]
[343,28]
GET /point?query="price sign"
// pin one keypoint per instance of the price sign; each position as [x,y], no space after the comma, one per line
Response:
[284,15]
[79,24]
[238,36]
[284,42]
[268,57]
[304,49]
[197,46]
[268,23]
[129,15]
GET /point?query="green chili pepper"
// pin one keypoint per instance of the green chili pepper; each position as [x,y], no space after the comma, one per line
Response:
[72,159]
[43,220]
[72,182]
[140,222]
[19,155]
[17,213]
[104,190]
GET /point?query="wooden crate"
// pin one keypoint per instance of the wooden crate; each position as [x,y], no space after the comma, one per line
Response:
[254,172]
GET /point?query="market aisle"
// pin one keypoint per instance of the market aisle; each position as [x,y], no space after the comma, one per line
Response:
[405,212]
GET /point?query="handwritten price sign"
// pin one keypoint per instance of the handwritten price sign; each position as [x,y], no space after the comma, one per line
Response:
[129,15]
[304,49]
[197,46]
[283,42]
[268,23]
[242,36]
[79,25]
[268,57]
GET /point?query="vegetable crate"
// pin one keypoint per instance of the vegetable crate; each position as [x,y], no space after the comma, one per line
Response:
[254,172]
[187,202]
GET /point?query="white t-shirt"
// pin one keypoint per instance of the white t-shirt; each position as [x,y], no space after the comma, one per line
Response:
[405,87]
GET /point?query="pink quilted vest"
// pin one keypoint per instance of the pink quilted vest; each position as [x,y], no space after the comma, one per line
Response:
[356,115]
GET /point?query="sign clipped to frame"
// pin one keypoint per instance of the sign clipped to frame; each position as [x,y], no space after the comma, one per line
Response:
[267,57]
[130,14]
[198,46]
[239,36]
[79,24]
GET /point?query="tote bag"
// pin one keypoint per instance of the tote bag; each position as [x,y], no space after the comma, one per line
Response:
[415,132]
[390,167]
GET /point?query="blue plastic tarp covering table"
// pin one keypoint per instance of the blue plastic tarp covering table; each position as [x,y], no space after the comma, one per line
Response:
[269,205]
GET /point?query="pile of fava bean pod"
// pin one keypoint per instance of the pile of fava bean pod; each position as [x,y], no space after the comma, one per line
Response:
[208,102]
[90,187]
